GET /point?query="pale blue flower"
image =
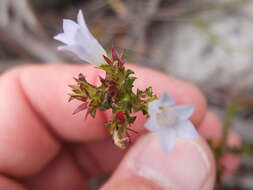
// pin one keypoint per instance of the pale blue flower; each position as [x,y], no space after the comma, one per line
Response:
[170,122]
[80,41]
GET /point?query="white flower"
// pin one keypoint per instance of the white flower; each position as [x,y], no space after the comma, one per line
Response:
[80,41]
[170,122]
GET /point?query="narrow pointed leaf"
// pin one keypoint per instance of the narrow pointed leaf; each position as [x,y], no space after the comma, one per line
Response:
[107,60]
[123,55]
[80,108]
[81,77]
[115,56]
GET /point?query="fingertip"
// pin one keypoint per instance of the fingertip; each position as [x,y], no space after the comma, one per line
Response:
[198,99]
[210,127]
[21,132]
[190,165]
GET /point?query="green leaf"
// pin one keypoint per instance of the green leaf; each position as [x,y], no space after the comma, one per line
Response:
[139,92]
[74,87]
[93,112]
[124,97]
[129,106]
[131,119]
[144,112]
[107,125]
[74,95]
[130,82]
[107,68]
[129,72]
[148,91]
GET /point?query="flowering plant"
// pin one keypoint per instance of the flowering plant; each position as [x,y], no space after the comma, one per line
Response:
[116,92]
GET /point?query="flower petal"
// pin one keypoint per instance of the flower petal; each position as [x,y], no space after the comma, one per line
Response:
[63,38]
[82,23]
[152,125]
[80,19]
[78,51]
[186,130]
[153,108]
[70,28]
[92,51]
[167,138]
[80,41]
[184,112]
[166,99]
[66,48]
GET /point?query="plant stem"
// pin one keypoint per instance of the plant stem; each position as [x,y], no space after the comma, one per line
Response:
[219,151]
[231,114]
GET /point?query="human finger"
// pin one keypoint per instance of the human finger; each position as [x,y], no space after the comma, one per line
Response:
[190,165]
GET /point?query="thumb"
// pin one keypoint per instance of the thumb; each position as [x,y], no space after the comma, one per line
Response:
[190,165]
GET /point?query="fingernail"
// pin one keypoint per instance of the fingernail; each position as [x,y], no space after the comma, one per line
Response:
[187,166]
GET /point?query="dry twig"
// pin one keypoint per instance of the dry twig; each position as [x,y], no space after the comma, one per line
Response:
[20,26]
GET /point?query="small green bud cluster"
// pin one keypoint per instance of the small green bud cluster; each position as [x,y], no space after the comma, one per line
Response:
[115,93]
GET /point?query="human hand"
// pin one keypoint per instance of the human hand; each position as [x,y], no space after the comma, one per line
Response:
[42,146]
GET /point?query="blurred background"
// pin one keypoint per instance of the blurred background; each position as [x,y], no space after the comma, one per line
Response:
[208,42]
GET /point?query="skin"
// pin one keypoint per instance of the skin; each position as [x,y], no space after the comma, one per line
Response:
[43,146]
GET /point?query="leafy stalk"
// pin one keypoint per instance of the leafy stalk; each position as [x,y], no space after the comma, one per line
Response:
[115,93]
